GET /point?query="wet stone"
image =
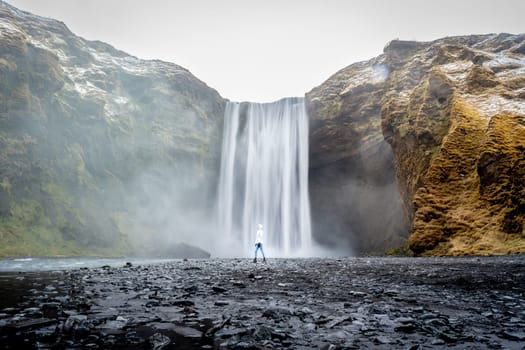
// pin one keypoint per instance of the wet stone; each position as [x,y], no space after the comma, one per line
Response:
[74,321]
[230,332]
[346,303]
[406,328]
[187,332]
[158,341]
[429,316]
[218,289]
[404,320]
[183,303]
[511,334]
[239,284]
[383,340]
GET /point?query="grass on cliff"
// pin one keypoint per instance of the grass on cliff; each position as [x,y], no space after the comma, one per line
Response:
[28,230]
[25,233]
[41,241]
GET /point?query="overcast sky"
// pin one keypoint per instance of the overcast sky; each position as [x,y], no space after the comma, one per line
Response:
[263,50]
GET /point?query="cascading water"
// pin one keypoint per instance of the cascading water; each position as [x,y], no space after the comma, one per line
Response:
[264,177]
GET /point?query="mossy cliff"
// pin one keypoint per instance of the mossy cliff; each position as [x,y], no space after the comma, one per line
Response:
[93,143]
[452,112]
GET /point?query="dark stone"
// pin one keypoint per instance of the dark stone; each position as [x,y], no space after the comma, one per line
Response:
[152,303]
[518,335]
[218,289]
[81,331]
[229,332]
[448,337]
[187,332]
[158,341]
[404,320]
[74,321]
[50,309]
[191,289]
[414,347]
[183,303]
[277,314]
[338,320]
[406,328]
[31,324]
[132,337]
[383,340]
[239,284]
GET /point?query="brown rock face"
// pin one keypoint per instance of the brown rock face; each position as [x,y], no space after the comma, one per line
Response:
[452,112]
[353,188]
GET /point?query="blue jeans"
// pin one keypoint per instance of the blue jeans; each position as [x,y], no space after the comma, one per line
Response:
[257,247]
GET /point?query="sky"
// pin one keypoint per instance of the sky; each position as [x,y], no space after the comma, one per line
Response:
[264,50]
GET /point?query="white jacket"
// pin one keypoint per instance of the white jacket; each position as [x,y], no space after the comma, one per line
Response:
[259,236]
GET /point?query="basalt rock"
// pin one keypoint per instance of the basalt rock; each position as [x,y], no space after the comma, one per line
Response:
[434,129]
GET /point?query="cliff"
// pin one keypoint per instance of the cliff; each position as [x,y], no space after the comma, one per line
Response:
[101,152]
[437,129]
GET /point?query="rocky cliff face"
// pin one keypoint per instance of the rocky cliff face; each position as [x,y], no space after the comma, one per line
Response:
[100,151]
[104,153]
[353,189]
[442,127]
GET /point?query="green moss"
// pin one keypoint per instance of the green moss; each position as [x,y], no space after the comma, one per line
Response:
[329,108]
[515,243]
[65,210]
[6,185]
[23,239]
[57,193]
[26,211]
[76,161]
[20,238]
[403,250]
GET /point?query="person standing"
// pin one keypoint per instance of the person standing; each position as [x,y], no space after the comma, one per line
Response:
[259,243]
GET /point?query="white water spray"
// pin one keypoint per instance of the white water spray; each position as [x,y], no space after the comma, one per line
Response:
[264,178]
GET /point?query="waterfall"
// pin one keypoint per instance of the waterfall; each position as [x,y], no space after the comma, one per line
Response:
[264,177]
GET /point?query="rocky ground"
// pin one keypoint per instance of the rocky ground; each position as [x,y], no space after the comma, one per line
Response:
[348,303]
